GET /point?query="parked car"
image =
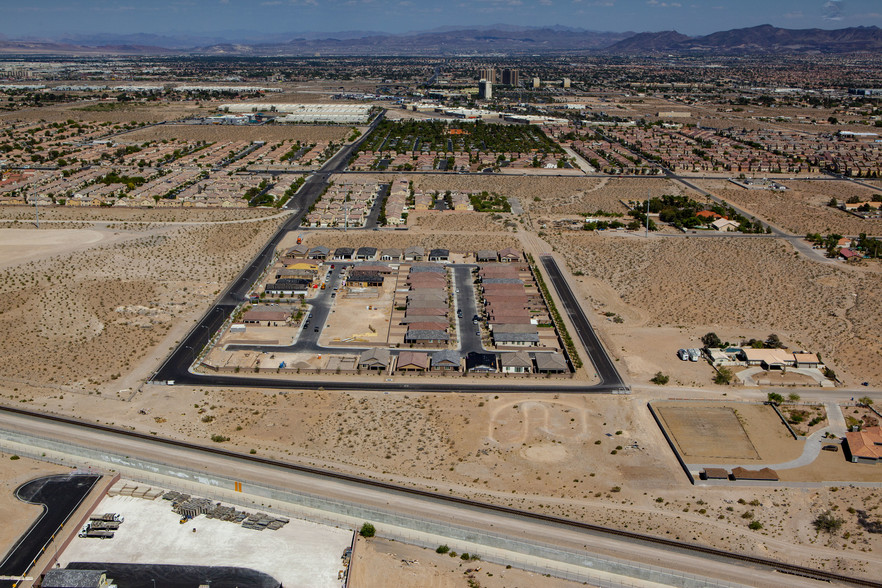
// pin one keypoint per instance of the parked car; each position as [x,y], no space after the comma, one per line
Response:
[683,354]
[833,448]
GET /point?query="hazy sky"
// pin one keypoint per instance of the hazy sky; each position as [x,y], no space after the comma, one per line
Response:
[693,17]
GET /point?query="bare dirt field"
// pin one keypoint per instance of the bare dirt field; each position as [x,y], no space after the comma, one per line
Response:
[802,208]
[741,433]
[377,560]
[708,433]
[86,311]
[273,132]
[138,112]
[17,516]
[455,221]
[721,285]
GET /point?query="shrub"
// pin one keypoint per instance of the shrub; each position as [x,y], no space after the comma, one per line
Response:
[367,530]
[826,521]
[219,438]
[660,379]
[775,397]
[442,549]
[755,525]
[14,457]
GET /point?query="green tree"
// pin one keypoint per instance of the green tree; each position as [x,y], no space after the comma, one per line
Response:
[775,397]
[773,342]
[793,397]
[865,400]
[367,530]
[724,376]
[711,340]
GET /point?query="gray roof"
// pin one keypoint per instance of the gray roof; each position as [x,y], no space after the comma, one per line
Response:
[393,253]
[343,251]
[73,578]
[426,335]
[502,281]
[320,249]
[439,253]
[427,303]
[445,356]
[366,252]
[374,356]
[515,337]
[551,362]
[516,359]
[486,254]
[415,250]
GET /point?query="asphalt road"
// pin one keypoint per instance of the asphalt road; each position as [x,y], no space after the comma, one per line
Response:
[603,364]
[522,529]
[60,496]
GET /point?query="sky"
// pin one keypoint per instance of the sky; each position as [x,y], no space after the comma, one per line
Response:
[231,18]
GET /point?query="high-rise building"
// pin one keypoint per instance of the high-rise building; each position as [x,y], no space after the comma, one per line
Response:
[487,73]
[485,90]
[537,83]
[566,83]
[510,77]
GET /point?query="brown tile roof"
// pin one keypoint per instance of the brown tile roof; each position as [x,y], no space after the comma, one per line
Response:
[866,443]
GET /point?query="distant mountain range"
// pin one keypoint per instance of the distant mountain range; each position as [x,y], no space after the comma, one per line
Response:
[449,41]
[760,39]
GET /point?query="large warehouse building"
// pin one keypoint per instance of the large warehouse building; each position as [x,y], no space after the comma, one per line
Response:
[308,113]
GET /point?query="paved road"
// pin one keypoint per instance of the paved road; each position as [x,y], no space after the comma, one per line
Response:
[603,364]
[59,496]
[524,532]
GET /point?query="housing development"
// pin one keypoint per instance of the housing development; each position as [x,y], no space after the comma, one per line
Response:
[604,317]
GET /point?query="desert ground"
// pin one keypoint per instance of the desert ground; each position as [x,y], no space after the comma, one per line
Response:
[731,286]
[376,560]
[91,311]
[802,208]
[458,241]
[138,112]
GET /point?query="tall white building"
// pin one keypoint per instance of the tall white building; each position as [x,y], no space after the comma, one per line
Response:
[485,90]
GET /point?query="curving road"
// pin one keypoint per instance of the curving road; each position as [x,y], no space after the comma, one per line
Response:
[59,496]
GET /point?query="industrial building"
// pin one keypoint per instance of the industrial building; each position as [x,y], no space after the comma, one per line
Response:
[308,113]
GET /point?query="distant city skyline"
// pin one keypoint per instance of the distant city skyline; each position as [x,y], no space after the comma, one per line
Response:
[246,18]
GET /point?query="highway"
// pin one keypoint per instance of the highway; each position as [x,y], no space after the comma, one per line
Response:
[603,364]
[522,531]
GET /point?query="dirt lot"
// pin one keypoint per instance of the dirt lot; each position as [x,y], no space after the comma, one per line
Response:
[273,132]
[132,112]
[86,311]
[740,433]
[456,221]
[17,515]
[377,560]
[802,208]
[720,285]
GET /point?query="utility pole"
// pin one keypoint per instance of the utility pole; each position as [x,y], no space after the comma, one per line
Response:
[647,214]
[37,210]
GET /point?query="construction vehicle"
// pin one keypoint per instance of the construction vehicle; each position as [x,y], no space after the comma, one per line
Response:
[299,239]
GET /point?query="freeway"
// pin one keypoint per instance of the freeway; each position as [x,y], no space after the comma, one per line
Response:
[606,370]
[519,531]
